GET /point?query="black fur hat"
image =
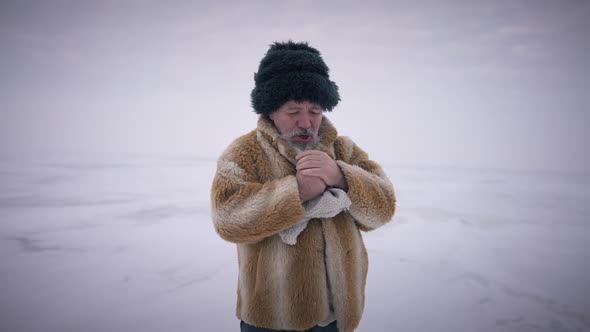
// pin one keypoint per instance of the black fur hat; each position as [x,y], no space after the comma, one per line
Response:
[292,71]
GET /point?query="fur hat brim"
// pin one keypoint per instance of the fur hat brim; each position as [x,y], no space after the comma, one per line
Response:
[299,86]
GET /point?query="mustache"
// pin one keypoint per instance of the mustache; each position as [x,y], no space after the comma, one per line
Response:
[300,132]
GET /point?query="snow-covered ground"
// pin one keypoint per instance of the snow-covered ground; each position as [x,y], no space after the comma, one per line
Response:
[125,243]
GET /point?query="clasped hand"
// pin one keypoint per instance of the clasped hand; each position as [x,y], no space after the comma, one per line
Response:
[316,170]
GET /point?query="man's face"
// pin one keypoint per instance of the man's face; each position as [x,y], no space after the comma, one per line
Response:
[299,122]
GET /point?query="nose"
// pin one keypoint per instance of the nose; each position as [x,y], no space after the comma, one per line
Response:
[304,121]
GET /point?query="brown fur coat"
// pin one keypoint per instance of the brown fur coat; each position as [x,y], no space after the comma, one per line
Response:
[255,196]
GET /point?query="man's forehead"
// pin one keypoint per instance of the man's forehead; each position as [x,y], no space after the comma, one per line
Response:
[301,104]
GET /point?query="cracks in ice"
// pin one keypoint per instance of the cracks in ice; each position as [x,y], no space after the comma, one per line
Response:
[36,201]
[29,245]
[548,304]
[157,214]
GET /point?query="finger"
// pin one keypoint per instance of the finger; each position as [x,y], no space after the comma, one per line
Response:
[311,158]
[314,172]
[303,176]
[306,153]
[311,180]
[309,164]
[309,153]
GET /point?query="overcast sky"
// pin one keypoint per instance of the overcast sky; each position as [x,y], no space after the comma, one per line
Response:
[462,83]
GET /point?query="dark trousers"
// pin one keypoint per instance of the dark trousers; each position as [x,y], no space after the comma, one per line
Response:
[244,327]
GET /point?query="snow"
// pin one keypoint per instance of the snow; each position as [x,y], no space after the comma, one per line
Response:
[125,243]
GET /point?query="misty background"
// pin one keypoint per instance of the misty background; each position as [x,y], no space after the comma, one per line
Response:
[487,84]
[112,114]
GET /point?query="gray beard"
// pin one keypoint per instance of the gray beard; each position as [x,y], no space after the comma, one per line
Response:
[313,145]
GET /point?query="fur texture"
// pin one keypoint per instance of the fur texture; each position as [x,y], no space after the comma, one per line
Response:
[292,71]
[255,196]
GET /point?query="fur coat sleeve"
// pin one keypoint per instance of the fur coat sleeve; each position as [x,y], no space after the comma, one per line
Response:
[244,209]
[369,189]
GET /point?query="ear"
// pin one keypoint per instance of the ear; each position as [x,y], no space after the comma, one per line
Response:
[272,116]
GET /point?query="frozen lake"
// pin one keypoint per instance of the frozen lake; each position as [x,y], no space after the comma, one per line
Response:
[125,243]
